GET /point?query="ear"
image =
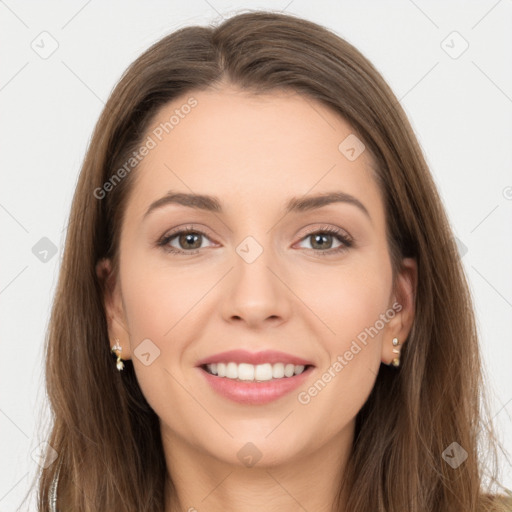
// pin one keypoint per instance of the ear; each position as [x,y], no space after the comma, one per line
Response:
[402,303]
[114,309]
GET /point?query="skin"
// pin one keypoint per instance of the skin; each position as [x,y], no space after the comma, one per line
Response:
[254,153]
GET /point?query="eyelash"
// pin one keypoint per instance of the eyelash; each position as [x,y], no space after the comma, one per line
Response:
[346,241]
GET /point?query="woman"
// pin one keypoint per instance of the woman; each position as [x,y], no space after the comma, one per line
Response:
[261,305]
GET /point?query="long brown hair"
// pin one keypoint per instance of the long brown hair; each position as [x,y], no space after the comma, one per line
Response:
[110,454]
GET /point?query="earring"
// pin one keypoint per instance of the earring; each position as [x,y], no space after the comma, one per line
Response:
[118,348]
[396,360]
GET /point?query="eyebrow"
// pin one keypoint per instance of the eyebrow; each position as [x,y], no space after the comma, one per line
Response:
[294,205]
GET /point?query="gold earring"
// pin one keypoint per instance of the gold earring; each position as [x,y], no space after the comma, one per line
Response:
[396,360]
[117,348]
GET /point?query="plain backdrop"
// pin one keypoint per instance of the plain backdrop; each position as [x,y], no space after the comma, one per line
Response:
[449,63]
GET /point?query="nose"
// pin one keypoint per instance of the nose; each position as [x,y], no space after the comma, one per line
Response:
[257,294]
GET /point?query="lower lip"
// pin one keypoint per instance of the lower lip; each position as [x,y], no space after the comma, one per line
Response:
[255,393]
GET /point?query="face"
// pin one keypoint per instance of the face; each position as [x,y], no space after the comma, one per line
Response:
[259,266]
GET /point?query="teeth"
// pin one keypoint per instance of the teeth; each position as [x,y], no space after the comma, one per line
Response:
[250,372]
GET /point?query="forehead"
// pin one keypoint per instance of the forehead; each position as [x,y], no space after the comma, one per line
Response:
[252,149]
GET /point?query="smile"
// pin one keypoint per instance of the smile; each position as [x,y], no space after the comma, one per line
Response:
[255,392]
[255,373]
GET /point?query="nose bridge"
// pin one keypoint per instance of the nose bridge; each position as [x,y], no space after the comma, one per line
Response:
[255,292]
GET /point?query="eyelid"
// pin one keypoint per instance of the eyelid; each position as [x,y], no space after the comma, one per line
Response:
[196,228]
[327,228]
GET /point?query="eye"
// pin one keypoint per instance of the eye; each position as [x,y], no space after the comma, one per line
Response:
[190,240]
[322,240]
[184,241]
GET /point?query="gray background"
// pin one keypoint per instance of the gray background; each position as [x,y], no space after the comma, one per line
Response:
[459,101]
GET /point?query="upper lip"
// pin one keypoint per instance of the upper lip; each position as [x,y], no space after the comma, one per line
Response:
[254,358]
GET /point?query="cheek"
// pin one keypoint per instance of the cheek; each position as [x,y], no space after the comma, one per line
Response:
[352,310]
[348,300]
[157,298]
[156,304]
[357,309]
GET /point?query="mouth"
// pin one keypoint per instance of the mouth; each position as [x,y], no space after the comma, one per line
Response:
[254,378]
[245,372]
